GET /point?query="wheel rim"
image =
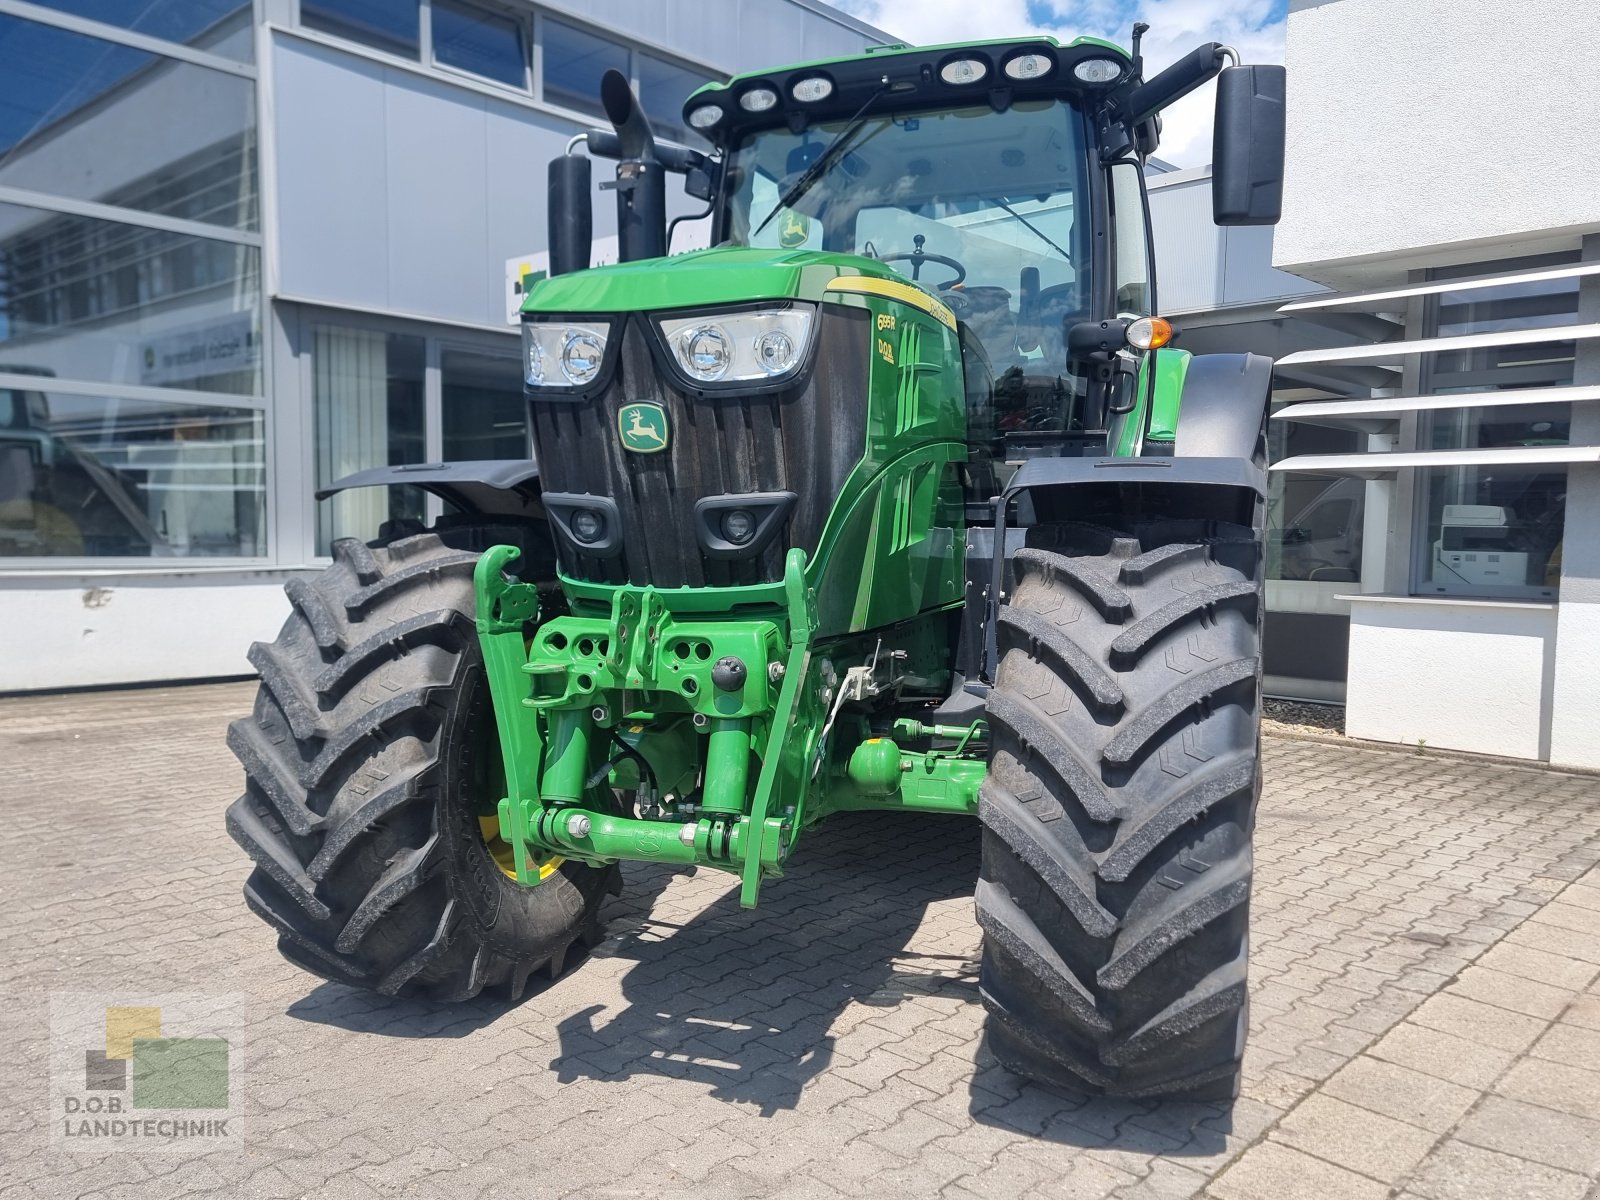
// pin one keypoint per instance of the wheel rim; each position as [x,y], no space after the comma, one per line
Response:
[489,780]
[505,856]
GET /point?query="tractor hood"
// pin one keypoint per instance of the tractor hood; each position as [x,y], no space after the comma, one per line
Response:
[703,278]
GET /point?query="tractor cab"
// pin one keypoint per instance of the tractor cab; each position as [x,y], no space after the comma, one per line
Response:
[1004,177]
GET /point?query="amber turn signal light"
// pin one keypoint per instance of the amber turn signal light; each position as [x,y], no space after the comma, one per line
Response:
[1150,333]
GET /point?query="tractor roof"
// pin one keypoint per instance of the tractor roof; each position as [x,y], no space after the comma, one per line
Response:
[909,74]
[874,55]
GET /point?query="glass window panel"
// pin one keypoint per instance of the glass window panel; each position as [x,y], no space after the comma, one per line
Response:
[1519,306]
[484,43]
[1507,425]
[390,25]
[367,396]
[1493,531]
[89,476]
[1493,310]
[1133,264]
[91,120]
[99,300]
[1314,522]
[485,414]
[1496,531]
[221,27]
[573,62]
[663,87]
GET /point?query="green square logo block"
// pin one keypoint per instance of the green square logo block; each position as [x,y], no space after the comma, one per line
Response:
[180,1073]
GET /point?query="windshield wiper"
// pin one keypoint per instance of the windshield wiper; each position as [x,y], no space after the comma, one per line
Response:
[1037,231]
[823,162]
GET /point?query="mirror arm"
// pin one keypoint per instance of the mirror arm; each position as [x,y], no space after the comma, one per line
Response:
[1195,69]
[1095,344]
[604,143]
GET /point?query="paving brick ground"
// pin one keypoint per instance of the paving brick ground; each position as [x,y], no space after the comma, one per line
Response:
[1425,1012]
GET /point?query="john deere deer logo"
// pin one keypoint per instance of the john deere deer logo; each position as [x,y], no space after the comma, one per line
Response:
[643,427]
[794,232]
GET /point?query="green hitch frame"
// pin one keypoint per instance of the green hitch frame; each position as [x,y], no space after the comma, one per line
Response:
[567,689]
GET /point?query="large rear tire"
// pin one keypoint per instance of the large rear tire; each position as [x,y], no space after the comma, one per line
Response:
[371,768]
[1119,807]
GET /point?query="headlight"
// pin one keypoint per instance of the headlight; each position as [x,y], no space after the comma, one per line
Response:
[754,345]
[812,89]
[738,525]
[705,352]
[1029,66]
[562,354]
[581,353]
[758,99]
[1098,70]
[705,116]
[587,525]
[776,352]
[964,70]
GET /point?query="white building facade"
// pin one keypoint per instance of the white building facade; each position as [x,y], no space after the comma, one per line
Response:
[1439,180]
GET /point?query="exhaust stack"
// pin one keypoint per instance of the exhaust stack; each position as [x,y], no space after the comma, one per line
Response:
[641,182]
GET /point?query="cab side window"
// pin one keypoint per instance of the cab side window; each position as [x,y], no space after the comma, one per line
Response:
[1132,255]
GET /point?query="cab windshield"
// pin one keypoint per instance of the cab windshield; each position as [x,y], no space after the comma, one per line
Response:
[977,205]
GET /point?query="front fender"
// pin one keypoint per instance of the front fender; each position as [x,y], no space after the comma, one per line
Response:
[501,487]
[1232,490]
[1224,403]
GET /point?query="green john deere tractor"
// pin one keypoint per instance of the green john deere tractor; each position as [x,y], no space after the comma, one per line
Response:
[894,498]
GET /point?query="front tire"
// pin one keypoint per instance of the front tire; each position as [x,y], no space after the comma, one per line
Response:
[1119,807]
[371,762]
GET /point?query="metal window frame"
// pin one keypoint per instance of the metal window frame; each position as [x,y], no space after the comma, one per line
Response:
[532,100]
[54,566]
[424,45]
[1407,420]
[543,15]
[128,37]
[93,210]
[128,391]
[521,17]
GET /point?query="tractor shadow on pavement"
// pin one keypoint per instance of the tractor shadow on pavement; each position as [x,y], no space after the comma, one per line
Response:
[357,1011]
[746,1001]
[874,914]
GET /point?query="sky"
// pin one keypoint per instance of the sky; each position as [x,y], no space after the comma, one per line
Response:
[1253,27]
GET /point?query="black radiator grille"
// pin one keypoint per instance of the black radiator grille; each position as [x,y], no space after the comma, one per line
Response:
[804,440]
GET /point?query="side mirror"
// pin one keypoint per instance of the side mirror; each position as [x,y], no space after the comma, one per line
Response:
[1247,149]
[700,183]
[570,212]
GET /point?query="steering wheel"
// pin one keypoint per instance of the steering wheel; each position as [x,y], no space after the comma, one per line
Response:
[918,257]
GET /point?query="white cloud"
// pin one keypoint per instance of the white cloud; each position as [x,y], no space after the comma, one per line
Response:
[1252,27]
